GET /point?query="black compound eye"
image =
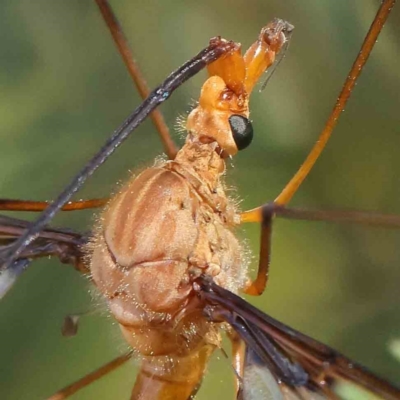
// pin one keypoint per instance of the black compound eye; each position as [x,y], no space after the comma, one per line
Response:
[242,131]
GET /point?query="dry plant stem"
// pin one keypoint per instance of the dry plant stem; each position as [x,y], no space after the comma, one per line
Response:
[91,377]
[136,75]
[290,189]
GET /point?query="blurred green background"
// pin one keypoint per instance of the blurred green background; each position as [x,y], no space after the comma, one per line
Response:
[63,89]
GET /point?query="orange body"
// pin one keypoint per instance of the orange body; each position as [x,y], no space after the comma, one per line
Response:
[166,227]
[174,222]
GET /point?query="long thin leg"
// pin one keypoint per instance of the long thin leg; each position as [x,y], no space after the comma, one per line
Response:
[136,75]
[342,216]
[144,91]
[371,38]
[31,205]
[238,355]
[91,377]
[270,210]
[355,71]
[217,48]
[257,287]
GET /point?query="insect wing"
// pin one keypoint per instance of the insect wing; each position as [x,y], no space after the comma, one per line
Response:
[258,382]
[64,243]
[324,366]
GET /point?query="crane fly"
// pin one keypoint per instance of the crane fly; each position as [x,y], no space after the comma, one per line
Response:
[211,310]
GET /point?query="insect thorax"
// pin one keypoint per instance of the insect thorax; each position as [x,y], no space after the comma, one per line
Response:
[165,227]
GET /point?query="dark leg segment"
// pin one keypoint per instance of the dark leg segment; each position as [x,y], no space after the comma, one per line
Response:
[257,287]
